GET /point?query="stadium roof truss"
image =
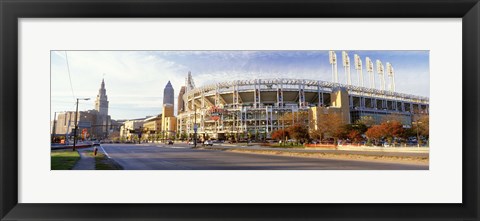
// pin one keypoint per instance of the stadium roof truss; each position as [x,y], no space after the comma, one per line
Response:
[283,83]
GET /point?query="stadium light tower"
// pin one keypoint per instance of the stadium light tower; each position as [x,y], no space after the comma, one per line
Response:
[358,67]
[346,65]
[381,74]
[333,61]
[391,76]
[369,67]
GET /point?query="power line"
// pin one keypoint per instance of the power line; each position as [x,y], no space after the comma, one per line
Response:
[69,77]
[115,108]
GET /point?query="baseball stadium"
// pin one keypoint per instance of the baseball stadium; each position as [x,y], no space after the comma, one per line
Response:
[255,107]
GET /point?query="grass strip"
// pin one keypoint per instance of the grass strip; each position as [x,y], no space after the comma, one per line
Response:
[102,162]
[63,159]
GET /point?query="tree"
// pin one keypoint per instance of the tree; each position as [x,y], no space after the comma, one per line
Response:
[366,120]
[387,130]
[392,130]
[280,134]
[354,132]
[330,124]
[299,132]
[423,123]
[393,117]
[355,136]
[114,135]
[375,132]
[291,118]
[227,136]
[183,136]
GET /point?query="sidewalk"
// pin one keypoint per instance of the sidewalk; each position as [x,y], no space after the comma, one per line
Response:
[86,162]
[70,146]
[339,151]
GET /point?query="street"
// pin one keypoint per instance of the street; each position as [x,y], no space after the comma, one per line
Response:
[182,157]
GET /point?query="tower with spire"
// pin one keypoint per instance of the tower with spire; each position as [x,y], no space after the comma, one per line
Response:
[101,103]
[101,106]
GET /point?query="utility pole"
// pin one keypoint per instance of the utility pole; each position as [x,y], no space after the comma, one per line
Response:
[106,132]
[76,123]
[53,128]
[67,133]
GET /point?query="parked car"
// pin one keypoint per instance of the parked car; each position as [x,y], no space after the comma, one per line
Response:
[208,143]
[191,142]
[169,142]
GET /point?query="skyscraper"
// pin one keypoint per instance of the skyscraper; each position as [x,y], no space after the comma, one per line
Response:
[168,117]
[168,94]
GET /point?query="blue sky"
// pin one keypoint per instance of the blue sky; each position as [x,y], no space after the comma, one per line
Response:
[135,79]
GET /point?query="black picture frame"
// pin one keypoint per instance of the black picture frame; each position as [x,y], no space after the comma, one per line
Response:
[12,10]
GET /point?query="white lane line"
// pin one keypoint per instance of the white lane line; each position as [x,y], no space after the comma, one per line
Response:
[104,151]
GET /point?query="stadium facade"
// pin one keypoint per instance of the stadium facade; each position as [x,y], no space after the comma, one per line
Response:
[244,108]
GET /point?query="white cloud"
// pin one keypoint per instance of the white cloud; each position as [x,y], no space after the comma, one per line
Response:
[135,79]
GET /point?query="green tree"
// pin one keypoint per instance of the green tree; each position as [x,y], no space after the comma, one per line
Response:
[183,136]
[366,120]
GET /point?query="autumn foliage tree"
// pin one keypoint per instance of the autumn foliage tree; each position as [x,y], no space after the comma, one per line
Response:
[375,132]
[388,130]
[330,124]
[299,132]
[354,132]
[423,124]
[354,135]
[280,134]
[392,129]
[292,118]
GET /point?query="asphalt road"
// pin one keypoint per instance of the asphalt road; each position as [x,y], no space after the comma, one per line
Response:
[182,157]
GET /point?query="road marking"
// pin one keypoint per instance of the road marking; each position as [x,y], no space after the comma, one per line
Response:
[179,147]
[105,151]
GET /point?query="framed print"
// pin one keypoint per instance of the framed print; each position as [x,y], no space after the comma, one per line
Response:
[239,110]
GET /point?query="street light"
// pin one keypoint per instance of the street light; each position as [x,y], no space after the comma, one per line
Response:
[195,128]
[418,137]
[76,123]
[283,127]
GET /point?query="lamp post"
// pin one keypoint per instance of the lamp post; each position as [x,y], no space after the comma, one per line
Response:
[76,123]
[195,128]
[283,127]
[418,137]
